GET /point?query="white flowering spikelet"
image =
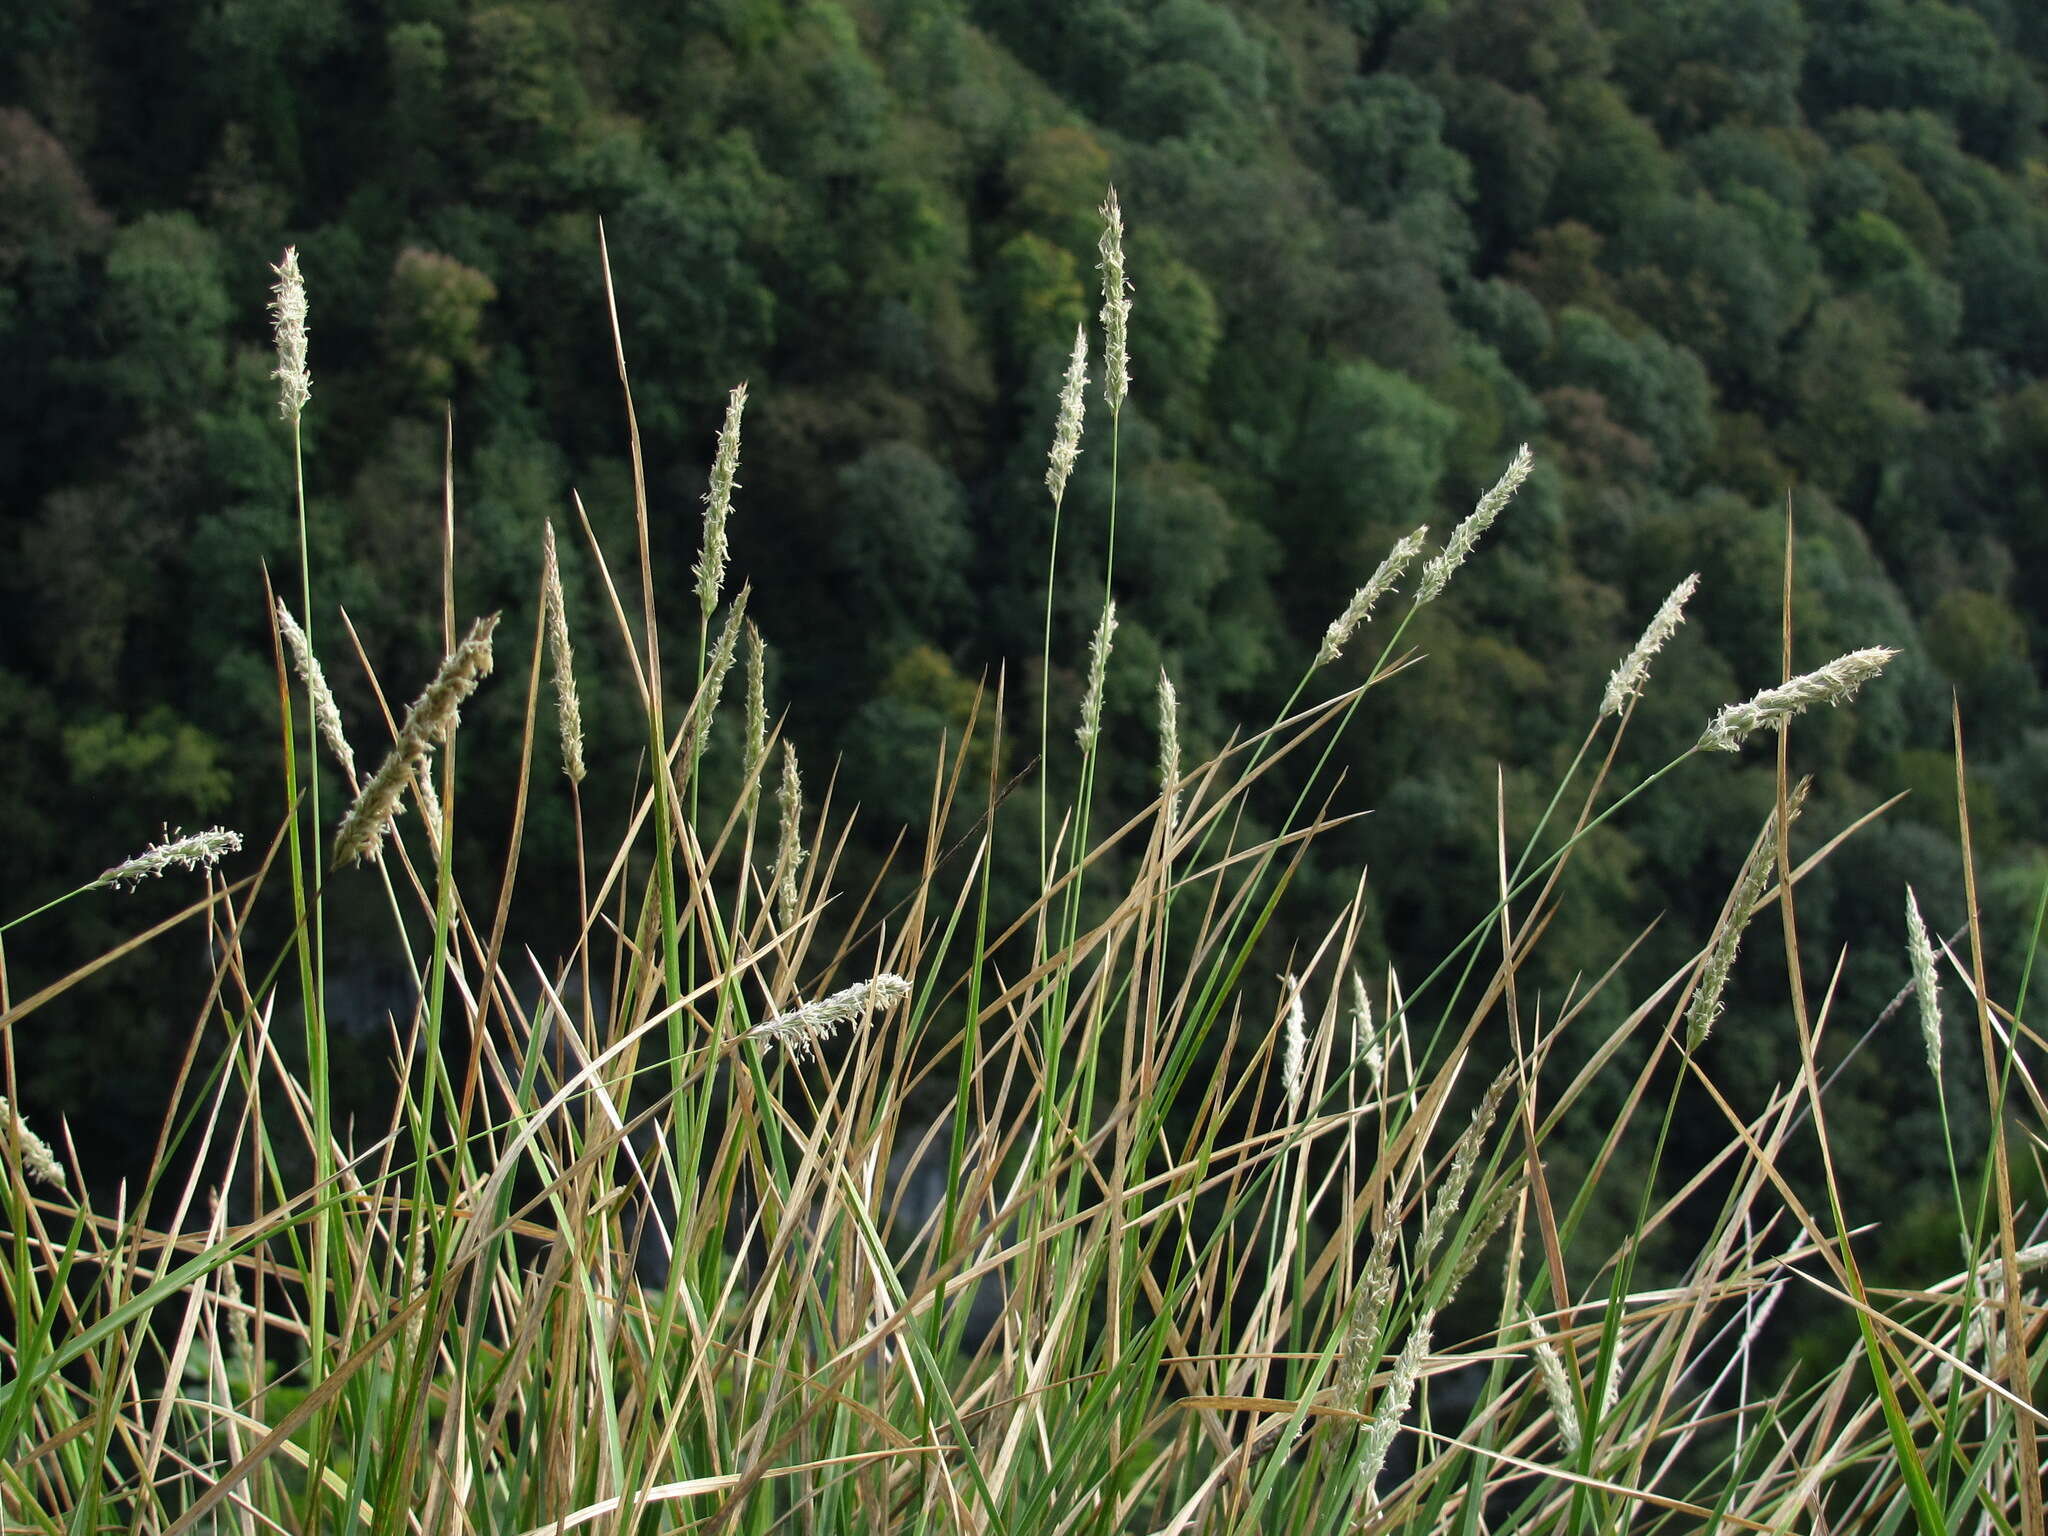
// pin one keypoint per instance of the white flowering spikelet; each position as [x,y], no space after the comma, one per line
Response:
[1294,1056]
[1705,1007]
[326,716]
[1098,665]
[789,846]
[1634,671]
[1556,1386]
[37,1160]
[1359,609]
[725,464]
[1393,1405]
[196,851]
[1921,951]
[1834,683]
[288,317]
[429,722]
[801,1030]
[1116,306]
[1437,574]
[1066,432]
[568,708]
[1169,749]
[1362,1029]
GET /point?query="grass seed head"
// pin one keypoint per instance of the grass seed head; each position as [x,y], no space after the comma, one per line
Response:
[1925,987]
[1835,683]
[1098,667]
[725,464]
[1628,678]
[1436,575]
[1359,609]
[430,721]
[801,1030]
[37,1160]
[1116,306]
[288,323]
[1066,432]
[568,708]
[199,850]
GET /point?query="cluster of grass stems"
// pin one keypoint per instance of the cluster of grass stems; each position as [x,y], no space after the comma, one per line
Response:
[1213,1221]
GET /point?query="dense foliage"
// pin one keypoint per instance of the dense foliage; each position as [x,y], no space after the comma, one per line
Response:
[1708,259]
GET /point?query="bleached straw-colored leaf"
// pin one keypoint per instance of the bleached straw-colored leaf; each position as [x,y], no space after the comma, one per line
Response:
[1834,683]
[1628,679]
[1436,575]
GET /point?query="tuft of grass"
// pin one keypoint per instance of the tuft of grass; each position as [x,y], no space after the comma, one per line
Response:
[1024,1222]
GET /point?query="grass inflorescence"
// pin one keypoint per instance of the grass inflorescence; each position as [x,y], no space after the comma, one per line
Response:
[824,1215]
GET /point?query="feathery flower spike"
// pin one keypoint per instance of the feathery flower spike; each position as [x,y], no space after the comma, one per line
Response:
[1359,609]
[1705,1007]
[801,1030]
[1436,575]
[1362,1028]
[1369,1305]
[37,1160]
[199,850]
[1464,1158]
[725,464]
[1634,671]
[1921,950]
[1098,664]
[431,720]
[714,674]
[1295,1057]
[326,716]
[757,716]
[1393,1405]
[1550,1367]
[1066,432]
[1169,749]
[568,709]
[1835,683]
[1116,306]
[789,848]
[288,317]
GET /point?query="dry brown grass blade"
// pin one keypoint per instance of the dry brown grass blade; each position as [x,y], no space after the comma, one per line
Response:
[2018,1374]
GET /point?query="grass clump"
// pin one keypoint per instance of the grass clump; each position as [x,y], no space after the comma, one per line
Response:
[753,1206]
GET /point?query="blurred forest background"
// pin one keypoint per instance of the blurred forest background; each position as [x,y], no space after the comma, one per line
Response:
[1700,256]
